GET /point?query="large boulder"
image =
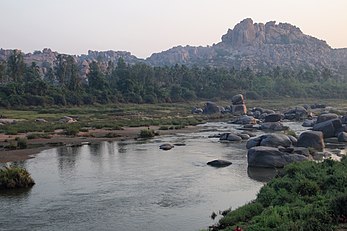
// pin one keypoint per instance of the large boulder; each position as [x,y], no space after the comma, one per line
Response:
[237,99]
[342,137]
[275,117]
[273,126]
[325,117]
[297,113]
[245,119]
[309,122]
[311,139]
[270,157]
[239,109]
[270,140]
[230,137]
[211,108]
[166,147]
[219,163]
[329,127]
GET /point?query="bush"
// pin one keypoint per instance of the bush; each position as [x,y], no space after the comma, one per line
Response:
[15,177]
[22,143]
[71,131]
[147,133]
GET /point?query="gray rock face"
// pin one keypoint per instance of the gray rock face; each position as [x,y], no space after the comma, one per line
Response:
[325,117]
[313,139]
[270,157]
[273,117]
[329,127]
[219,163]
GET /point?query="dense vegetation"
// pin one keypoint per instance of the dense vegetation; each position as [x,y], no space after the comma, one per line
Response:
[65,84]
[306,196]
[15,177]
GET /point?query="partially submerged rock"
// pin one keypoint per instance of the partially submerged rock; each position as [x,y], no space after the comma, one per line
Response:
[166,146]
[219,163]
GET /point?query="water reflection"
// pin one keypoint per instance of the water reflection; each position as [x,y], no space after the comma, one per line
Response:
[262,174]
[67,158]
[22,193]
[122,147]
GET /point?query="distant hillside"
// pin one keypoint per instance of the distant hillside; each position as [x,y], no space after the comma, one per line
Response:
[255,45]
[259,46]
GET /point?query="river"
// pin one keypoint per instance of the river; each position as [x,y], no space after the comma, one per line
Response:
[133,185]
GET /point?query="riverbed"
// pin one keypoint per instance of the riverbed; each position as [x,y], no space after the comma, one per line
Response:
[133,185]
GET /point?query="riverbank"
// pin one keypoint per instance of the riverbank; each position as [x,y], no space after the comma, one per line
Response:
[94,136]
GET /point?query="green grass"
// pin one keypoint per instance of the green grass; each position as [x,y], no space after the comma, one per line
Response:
[306,196]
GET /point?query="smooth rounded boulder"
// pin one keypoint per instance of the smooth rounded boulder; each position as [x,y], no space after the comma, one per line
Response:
[311,139]
[270,157]
[211,108]
[325,117]
[273,126]
[219,163]
[166,146]
[230,137]
[275,117]
[329,127]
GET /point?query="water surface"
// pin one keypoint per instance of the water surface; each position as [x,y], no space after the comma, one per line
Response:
[132,185]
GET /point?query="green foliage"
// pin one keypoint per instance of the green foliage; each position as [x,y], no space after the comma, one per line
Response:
[72,130]
[38,136]
[147,133]
[22,85]
[15,177]
[22,143]
[306,196]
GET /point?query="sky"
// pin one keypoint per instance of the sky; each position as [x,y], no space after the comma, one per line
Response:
[143,27]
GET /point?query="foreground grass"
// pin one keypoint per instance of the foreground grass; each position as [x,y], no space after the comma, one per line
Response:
[306,196]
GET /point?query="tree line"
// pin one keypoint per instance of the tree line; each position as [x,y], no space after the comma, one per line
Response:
[65,84]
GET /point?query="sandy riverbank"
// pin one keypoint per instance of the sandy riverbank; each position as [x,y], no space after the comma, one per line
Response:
[60,140]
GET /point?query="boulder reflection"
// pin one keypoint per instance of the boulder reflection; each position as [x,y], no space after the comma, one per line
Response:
[262,174]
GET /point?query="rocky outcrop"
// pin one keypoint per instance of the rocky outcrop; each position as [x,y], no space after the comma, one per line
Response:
[259,46]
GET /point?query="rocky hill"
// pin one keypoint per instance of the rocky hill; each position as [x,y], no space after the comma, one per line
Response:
[255,45]
[259,46]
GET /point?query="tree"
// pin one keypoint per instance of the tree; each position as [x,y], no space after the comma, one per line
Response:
[16,66]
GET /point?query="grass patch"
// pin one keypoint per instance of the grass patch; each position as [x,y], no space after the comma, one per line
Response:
[15,177]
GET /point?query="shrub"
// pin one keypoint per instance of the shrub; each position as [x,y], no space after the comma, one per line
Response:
[147,133]
[22,143]
[15,177]
[71,131]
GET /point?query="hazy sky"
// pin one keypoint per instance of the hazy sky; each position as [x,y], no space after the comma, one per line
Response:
[147,26]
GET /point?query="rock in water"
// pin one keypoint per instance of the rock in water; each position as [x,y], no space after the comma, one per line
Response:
[166,146]
[219,163]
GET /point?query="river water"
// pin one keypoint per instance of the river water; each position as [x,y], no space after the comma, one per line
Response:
[133,185]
